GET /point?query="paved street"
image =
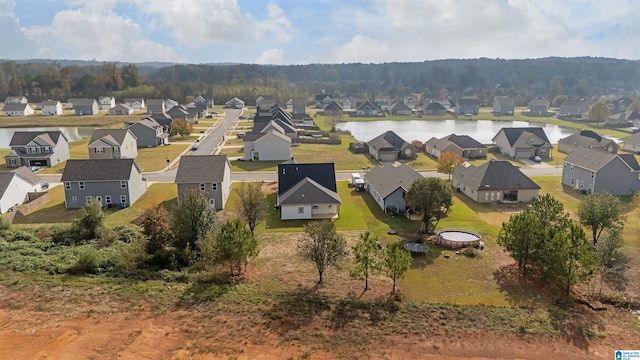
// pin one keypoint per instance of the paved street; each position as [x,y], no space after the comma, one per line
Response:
[215,135]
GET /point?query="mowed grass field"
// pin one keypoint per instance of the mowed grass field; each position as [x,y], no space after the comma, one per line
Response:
[68,118]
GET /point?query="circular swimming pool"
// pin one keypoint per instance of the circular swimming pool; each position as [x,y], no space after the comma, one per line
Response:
[458,238]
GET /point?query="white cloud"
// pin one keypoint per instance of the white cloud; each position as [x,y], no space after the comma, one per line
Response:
[200,23]
[270,57]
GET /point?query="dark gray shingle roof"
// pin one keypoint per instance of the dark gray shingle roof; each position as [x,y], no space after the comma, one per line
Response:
[98,169]
[117,134]
[308,191]
[514,133]
[201,169]
[21,138]
[494,174]
[386,179]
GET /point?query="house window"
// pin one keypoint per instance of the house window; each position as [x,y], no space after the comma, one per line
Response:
[123,184]
[67,185]
[12,161]
[300,210]
[87,199]
[214,187]
[202,187]
[573,181]
[81,185]
[99,150]
[314,207]
[123,199]
[564,165]
[47,149]
[593,174]
[571,167]
[486,196]
[107,199]
[33,150]
[116,149]
[74,199]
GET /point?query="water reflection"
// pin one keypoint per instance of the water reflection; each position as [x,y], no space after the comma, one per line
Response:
[409,130]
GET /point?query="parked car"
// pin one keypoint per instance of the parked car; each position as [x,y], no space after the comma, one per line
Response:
[209,116]
[194,147]
[536,158]
[240,135]
[34,168]
[44,185]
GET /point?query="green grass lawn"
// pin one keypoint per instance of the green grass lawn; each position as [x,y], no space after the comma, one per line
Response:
[155,159]
[77,150]
[159,194]
[233,141]
[70,119]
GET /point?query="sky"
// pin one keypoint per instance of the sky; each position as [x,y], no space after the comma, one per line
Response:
[283,32]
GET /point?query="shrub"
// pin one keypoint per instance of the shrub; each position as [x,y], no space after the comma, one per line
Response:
[106,238]
[66,235]
[471,253]
[20,235]
[88,261]
[128,233]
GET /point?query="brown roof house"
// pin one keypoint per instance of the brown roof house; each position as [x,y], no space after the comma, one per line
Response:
[389,147]
[494,182]
[463,145]
[586,138]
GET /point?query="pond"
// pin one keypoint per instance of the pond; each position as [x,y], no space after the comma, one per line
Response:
[423,130]
[72,133]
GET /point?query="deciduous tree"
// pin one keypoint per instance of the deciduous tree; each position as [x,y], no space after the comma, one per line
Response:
[366,258]
[323,246]
[447,161]
[600,211]
[181,127]
[433,196]
[91,220]
[155,227]
[599,112]
[192,220]
[397,262]
[251,205]
[235,244]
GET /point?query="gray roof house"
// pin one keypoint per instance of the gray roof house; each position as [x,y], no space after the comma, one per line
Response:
[367,108]
[17,109]
[388,184]
[15,187]
[51,107]
[208,173]
[121,109]
[106,102]
[596,171]
[149,133]
[573,108]
[234,103]
[156,106]
[389,147]
[539,107]
[400,108]
[586,138]
[504,105]
[113,144]
[623,118]
[135,103]
[299,106]
[464,145]
[113,182]
[493,182]
[86,106]
[308,191]
[203,103]
[37,148]
[631,143]
[333,109]
[16,100]
[468,105]
[434,108]
[163,119]
[523,143]
[268,145]
[70,102]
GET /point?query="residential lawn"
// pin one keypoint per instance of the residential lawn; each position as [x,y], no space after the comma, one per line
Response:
[51,213]
[237,165]
[77,150]
[553,185]
[338,154]
[70,119]
[496,156]
[3,152]
[233,141]
[244,124]
[557,157]
[157,158]
[233,152]
[188,138]
[159,194]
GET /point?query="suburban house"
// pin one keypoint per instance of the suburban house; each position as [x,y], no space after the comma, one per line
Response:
[51,107]
[210,174]
[623,118]
[168,104]
[266,100]
[289,104]
[382,101]
[468,105]
[16,100]
[390,147]
[86,107]
[539,107]
[106,102]
[586,138]
[493,182]
[113,144]
[234,103]
[164,120]
[71,101]
[595,171]
[350,103]
[463,145]
[37,148]
[156,106]
[113,182]
[135,103]
[619,104]
[17,109]
[299,106]
[388,185]
[367,108]
[631,143]
[308,191]
[269,145]
[400,108]
[333,109]
[275,119]
[504,105]
[411,101]
[149,133]
[444,102]
[322,100]
[434,108]
[121,109]
[180,112]
[573,108]
[15,187]
[203,103]
[523,143]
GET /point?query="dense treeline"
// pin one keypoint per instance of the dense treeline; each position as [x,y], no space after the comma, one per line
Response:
[522,79]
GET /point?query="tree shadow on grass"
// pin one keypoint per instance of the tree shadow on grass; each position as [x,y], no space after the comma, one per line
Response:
[404,227]
[572,192]
[575,325]
[522,291]
[273,220]
[296,308]
[353,309]
[420,261]
[477,208]
[255,165]
[208,289]
[52,215]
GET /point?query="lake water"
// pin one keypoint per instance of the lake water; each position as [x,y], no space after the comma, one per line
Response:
[72,133]
[423,130]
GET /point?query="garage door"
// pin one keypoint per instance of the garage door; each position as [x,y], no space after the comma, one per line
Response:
[524,154]
[37,162]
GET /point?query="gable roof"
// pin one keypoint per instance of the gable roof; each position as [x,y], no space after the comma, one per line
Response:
[22,138]
[201,169]
[291,174]
[400,106]
[539,102]
[494,174]
[388,139]
[505,100]
[50,103]
[121,107]
[594,159]
[573,103]
[368,104]
[155,102]
[435,106]
[148,122]
[98,169]
[15,107]
[308,191]
[632,139]
[470,100]
[386,179]
[333,105]
[5,180]
[28,175]
[461,141]
[514,133]
[584,138]
[84,102]
[110,136]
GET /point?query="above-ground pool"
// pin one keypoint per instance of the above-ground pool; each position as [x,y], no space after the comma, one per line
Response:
[458,238]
